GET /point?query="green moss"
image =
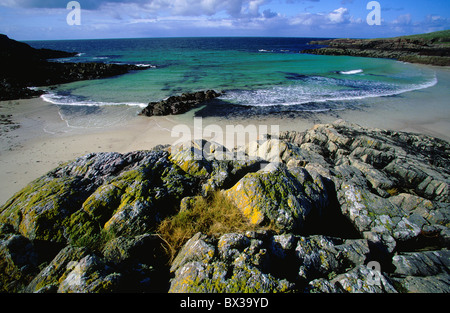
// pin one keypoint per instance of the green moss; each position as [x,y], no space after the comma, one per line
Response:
[186,161]
[81,170]
[244,280]
[81,228]
[101,204]
[40,209]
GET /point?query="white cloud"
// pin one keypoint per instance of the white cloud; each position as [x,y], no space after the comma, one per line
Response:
[234,8]
[404,19]
[339,16]
[115,18]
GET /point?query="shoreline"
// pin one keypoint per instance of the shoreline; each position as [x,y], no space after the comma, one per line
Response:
[45,139]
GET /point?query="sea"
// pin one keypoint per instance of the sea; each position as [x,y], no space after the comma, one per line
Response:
[256,75]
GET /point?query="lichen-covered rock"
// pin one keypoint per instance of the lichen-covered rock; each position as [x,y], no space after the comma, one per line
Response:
[321,256]
[190,157]
[262,261]
[393,186]
[18,262]
[318,257]
[39,210]
[196,249]
[423,271]
[49,278]
[145,248]
[89,275]
[280,151]
[212,163]
[234,263]
[359,280]
[375,216]
[118,194]
[126,264]
[343,209]
[280,196]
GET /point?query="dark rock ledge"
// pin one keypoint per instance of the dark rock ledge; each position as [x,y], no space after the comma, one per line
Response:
[23,66]
[179,104]
[342,198]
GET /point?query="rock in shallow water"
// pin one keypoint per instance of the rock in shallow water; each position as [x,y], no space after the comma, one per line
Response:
[179,104]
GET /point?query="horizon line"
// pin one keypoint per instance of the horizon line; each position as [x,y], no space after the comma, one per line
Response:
[220,36]
[180,37]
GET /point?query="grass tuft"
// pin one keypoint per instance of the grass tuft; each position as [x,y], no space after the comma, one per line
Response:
[213,216]
[393,191]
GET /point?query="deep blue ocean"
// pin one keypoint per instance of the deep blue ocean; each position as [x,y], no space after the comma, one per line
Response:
[255,73]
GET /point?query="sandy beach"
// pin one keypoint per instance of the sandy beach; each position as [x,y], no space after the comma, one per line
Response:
[44,140]
[37,136]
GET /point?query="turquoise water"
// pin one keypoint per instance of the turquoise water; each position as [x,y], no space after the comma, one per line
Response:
[253,72]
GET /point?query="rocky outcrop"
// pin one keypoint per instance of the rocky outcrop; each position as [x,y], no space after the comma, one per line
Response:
[19,50]
[179,104]
[346,209]
[264,262]
[23,67]
[426,49]
[285,197]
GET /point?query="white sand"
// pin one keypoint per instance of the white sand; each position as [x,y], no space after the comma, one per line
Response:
[46,140]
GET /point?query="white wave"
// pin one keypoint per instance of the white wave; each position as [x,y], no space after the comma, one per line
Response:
[68,100]
[352,72]
[80,54]
[143,65]
[146,65]
[318,93]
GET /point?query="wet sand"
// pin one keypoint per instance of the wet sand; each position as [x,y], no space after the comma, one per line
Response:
[50,135]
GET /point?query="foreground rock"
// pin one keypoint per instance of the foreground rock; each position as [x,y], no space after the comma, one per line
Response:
[24,67]
[179,104]
[425,49]
[347,209]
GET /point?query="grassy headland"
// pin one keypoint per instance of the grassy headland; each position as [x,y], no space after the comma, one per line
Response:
[431,48]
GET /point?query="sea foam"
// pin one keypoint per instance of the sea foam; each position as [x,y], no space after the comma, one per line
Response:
[321,90]
[352,72]
[73,101]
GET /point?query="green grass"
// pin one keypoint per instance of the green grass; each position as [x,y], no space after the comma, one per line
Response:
[440,37]
[444,35]
[213,216]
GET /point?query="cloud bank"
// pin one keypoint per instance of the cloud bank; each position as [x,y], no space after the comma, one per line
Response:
[148,18]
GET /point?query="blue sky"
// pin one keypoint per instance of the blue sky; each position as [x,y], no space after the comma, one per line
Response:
[46,19]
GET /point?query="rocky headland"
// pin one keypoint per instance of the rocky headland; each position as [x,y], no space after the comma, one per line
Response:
[24,67]
[432,48]
[345,209]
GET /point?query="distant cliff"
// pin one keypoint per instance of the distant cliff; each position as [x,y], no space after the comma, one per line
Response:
[22,66]
[432,48]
